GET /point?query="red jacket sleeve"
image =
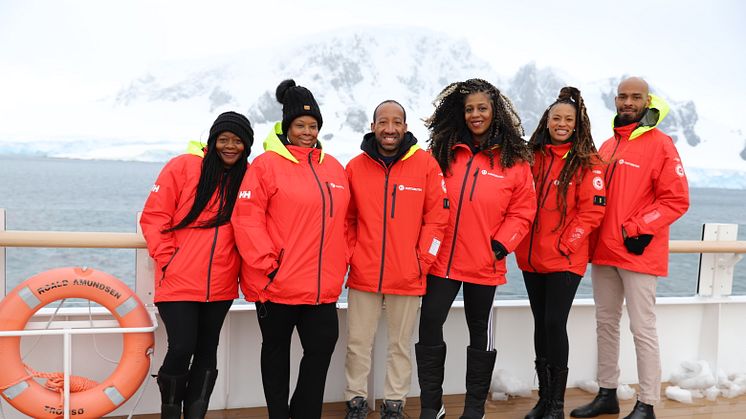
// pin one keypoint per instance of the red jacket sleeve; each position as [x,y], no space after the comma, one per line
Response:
[159,211]
[590,199]
[671,191]
[520,211]
[249,219]
[351,220]
[434,216]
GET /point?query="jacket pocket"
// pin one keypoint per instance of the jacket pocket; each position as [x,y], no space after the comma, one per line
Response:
[331,199]
[165,267]
[474,184]
[272,275]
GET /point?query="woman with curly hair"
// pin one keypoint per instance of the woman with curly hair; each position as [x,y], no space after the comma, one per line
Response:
[553,257]
[475,135]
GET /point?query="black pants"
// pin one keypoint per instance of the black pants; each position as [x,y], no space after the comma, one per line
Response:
[318,329]
[437,302]
[193,330]
[551,298]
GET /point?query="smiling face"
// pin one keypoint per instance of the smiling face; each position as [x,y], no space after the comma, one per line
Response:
[478,114]
[229,147]
[304,131]
[561,122]
[631,100]
[389,128]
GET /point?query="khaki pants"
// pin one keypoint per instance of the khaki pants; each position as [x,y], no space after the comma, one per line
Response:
[611,286]
[363,313]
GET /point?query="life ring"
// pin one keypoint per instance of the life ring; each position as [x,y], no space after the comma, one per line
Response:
[33,399]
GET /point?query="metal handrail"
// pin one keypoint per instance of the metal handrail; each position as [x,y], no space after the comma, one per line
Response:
[77,239]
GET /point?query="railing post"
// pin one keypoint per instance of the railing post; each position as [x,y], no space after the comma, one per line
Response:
[716,269]
[2,256]
[144,267]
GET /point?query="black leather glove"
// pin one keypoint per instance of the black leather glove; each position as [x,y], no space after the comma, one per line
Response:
[499,250]
[636,245]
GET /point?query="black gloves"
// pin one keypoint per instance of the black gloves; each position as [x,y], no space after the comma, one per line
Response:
[636,245]
[499,250]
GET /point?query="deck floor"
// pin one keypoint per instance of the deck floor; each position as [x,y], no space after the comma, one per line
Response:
[518,407]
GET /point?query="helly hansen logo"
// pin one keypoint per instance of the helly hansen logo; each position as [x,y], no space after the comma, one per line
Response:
[155,188]
[335,186]
[409,188]
[484,172]
[244,194]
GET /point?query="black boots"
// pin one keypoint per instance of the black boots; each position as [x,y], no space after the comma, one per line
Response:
[173,388]
[558,382]
[199,390]
[430,368]
[605,402]
[479,366]
[542,373]
[641,411]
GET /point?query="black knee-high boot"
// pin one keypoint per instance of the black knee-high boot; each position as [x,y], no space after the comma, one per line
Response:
[479,366]
[199,390]
[430,369]
[542,372]
[173,388]
[556,408]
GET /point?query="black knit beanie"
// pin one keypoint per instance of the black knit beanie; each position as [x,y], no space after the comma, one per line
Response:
[233,122]
[296,101]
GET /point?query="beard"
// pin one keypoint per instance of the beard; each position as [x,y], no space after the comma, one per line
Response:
[626,119]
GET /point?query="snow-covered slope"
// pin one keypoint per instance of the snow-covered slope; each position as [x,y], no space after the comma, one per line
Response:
[350,71]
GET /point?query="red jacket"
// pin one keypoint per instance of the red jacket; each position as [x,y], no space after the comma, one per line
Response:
[192,264]
[647,191]
[486,203]
[290,215]
[396,220]
[551,247]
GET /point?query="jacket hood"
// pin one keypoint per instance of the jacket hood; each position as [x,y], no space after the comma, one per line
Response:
[656,112]
[197,148]
[274,144]
[407,148]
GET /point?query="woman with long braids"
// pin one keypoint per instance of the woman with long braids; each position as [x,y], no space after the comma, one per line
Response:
[475,135]
[290,221]
[553,257]
[186,224]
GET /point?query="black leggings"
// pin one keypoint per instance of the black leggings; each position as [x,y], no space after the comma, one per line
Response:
[551,298]
[437,302]
[318,330]
[193,330]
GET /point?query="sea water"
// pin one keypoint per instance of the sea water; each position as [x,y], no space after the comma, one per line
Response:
[88,195]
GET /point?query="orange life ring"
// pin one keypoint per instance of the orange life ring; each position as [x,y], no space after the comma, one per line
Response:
[33,399]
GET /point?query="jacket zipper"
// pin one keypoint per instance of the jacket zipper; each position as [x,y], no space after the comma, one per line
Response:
[538,208]
[608,176]
[383,241]
[458,214]
[214,241]
[393,200]
[474,184]
[419,265]
[165,268]
[323,229]
[331,200]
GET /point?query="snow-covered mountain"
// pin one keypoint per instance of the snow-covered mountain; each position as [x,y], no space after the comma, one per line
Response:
[349,72]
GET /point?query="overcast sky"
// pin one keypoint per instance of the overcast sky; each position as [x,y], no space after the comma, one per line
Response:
[55,52]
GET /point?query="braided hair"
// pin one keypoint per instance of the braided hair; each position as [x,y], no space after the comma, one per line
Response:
[214,176]
[582,155]
[447,125]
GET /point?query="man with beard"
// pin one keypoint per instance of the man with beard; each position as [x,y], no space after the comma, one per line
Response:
[647,191]
[396,219]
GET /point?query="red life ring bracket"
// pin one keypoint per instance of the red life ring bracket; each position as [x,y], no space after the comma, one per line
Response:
[17,386]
